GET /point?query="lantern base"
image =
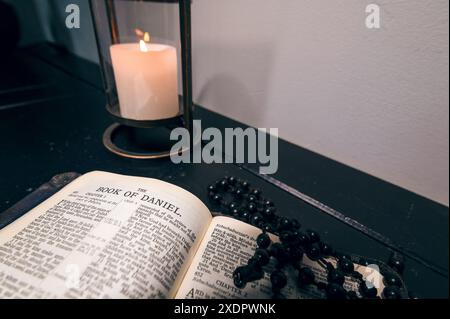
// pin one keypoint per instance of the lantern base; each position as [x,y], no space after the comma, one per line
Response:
[139,143]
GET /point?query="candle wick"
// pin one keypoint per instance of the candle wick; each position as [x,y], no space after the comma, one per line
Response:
[143,46]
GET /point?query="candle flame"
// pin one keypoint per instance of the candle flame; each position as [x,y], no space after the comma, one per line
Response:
[147,37]
[141,35]
[143,46]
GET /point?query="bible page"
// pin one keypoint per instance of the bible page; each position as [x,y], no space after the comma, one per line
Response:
[103,236]
[230,243]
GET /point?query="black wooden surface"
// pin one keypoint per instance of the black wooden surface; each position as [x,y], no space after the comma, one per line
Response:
[52,117]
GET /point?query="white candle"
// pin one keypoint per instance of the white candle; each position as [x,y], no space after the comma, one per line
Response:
[146,80]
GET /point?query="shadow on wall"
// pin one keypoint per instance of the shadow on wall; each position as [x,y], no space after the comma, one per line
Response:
[226,93]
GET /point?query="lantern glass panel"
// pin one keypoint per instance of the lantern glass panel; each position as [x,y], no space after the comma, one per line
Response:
[140,51]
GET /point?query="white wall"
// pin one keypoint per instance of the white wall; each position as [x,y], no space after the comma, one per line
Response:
[376,100]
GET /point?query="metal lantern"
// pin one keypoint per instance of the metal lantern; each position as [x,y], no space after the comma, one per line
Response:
[145,55]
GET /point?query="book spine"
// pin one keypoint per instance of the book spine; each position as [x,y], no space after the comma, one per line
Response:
[42,193]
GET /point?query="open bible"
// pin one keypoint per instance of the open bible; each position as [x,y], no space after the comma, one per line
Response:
[111,236]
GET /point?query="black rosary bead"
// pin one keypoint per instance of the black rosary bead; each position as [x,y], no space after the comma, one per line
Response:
[251,207]
[240,276]
[343,256]
[284,223]
[295,240]
[217,198]
[263,240]
[335,291]
[245,216]
[255,192]
[224,204]
[367,292]
[294,253]
[223,184]
[212,188]
[238,282]
[253,262]
[245,274]
[336,276]
[363,262]
[277,251]
[232,180]
[269,213]
[326,249]
[262,256]
[357,275]
[211,195]
[286,236]
[268,203]
[313,252]
[282,257]
[233,205]
[396,261]
[346,265]
[238,192]
[245,185]
[267,228]
[304,239]
[313,236]
[256,218]
[278,280]
[391,292]
[256,274]
[391,280]
[295,224]
[305,277]
[235,213]
[252,199]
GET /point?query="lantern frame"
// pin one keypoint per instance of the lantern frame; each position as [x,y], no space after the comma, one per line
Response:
[182,119]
